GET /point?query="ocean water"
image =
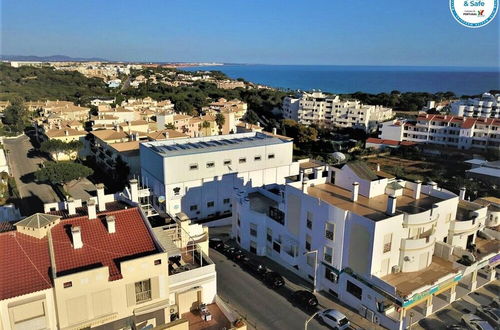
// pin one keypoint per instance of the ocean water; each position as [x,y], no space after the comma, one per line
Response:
[368,79]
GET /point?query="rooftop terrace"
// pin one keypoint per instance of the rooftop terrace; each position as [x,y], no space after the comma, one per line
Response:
[406,283]
[373,208]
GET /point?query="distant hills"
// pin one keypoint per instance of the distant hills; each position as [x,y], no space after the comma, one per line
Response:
[53,58]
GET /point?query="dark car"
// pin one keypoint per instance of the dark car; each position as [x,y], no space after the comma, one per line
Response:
[490,314]
[253,266]
[274,280]
[305,299]
[233,253]
[216,244]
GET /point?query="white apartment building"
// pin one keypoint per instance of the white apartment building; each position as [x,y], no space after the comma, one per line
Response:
[383,246]
[445,130]
[330,111]
[488,106]
[198,176]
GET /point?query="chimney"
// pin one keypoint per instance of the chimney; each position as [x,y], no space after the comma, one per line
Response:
[110,222]
[91,209]
[76,235]
[100,197]
[246,125]
[167,135]
[355,191]
[134,190]
[462,193]
[391,205]
[66,132]
[274,131]
[433,185]
[71,206]
[378,167]
[418,189]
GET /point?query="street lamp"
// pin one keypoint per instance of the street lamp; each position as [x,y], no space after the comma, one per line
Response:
[315,267]
[309,320]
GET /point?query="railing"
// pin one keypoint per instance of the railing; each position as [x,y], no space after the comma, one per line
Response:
[143,296]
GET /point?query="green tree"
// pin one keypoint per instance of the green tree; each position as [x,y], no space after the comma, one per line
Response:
[220,120]
[73,147]
[16,116]
[170,126]
[205,125]
[62,173]
[53,147]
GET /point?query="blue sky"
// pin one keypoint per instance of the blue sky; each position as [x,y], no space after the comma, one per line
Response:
[342,32]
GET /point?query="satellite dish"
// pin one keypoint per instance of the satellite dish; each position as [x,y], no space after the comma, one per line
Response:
[338,156]
[161,199]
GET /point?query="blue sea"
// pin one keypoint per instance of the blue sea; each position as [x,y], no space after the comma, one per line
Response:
[368,79]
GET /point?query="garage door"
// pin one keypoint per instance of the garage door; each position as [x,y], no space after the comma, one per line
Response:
[188,301]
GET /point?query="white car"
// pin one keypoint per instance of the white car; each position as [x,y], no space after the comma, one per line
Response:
[334,319]
[475,322]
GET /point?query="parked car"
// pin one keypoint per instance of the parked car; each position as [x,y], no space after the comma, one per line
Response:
[216,244]
[456,327]
[495,303]
[490,314]
[334,319]
[253,266]
[305,299]
[274,280]
[474,322]
[233,253]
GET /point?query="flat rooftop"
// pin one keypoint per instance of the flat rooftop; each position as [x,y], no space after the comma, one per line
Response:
[406,283]
[260,203]
[372,208]
[188,146]
[465,209]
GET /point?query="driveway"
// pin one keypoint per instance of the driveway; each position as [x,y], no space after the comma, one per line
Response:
[23,163]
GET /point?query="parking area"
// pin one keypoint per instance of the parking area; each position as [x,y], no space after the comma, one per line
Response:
[467,304]
[267,308]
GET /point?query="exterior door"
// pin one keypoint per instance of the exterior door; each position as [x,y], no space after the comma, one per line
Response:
[188,301]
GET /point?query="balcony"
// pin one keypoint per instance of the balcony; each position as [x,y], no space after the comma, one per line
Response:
[425,240]
[419,219]
[464,227]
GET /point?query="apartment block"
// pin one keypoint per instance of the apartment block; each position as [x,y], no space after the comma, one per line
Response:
[445,130]
[198,176]
[487,106]
[101,265]
[383,246]
[330,111]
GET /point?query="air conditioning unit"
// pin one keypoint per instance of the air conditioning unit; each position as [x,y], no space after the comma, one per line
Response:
[396,269]
[173,309]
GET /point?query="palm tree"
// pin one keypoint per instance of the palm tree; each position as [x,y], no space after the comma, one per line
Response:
[220,120]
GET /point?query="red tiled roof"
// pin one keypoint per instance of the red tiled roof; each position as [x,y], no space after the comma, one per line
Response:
[24,264]
[467,122]
[389,142]
[99,246]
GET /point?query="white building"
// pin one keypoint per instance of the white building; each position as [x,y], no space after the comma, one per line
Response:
[329,110]
[383,246]
[198,175]
[488,106]
[445,130]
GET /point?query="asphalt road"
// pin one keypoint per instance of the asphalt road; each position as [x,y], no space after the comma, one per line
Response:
[23,164]
[263,307]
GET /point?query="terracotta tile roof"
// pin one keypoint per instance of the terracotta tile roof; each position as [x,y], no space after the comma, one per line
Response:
[389,142]
[52,133]
[172,134]
[25,264]
[7,226]
[125,146]
[109,134]
[101,248]
[467,122]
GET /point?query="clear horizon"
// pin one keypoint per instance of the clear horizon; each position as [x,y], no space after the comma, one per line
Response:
[352,33]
